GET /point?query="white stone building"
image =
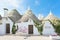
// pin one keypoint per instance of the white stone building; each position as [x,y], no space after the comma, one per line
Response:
[48,28]
[26,25]
[6,22]
[25,22]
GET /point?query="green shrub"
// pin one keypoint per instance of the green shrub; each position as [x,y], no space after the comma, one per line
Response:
[14,29]
[39,26]
[56,25]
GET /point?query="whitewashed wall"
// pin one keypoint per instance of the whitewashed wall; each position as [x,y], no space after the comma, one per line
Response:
[48,29]
[3,26]
[25,25]
[2,29]
[11,24]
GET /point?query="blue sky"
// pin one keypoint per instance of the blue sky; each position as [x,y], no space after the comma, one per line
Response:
[37,6]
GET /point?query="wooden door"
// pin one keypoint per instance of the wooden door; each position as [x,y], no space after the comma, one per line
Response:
[7,28]
[30,29]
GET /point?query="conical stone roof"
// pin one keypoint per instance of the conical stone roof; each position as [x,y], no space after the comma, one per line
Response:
[51,17]
[28,15]
[14,15]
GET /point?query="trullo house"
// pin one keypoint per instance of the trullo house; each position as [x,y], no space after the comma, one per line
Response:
[48,28]
[6,22]
[25,23]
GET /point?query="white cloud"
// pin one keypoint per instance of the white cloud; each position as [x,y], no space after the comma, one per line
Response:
[6,3]
[14,3]
[10,4]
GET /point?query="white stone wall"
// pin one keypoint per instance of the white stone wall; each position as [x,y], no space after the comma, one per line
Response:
[11,24]
[48,29]
[3,26]
[25,25]
[2,29]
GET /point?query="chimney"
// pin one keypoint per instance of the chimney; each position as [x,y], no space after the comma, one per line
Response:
[5,12]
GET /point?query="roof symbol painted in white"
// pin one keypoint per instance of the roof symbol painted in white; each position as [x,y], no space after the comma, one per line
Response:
[29,8]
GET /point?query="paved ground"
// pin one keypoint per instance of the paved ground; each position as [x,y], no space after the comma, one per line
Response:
[24,38]
[11,37]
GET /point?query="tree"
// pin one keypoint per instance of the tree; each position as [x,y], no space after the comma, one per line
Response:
[14,29]
[56,25]
[39,26]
